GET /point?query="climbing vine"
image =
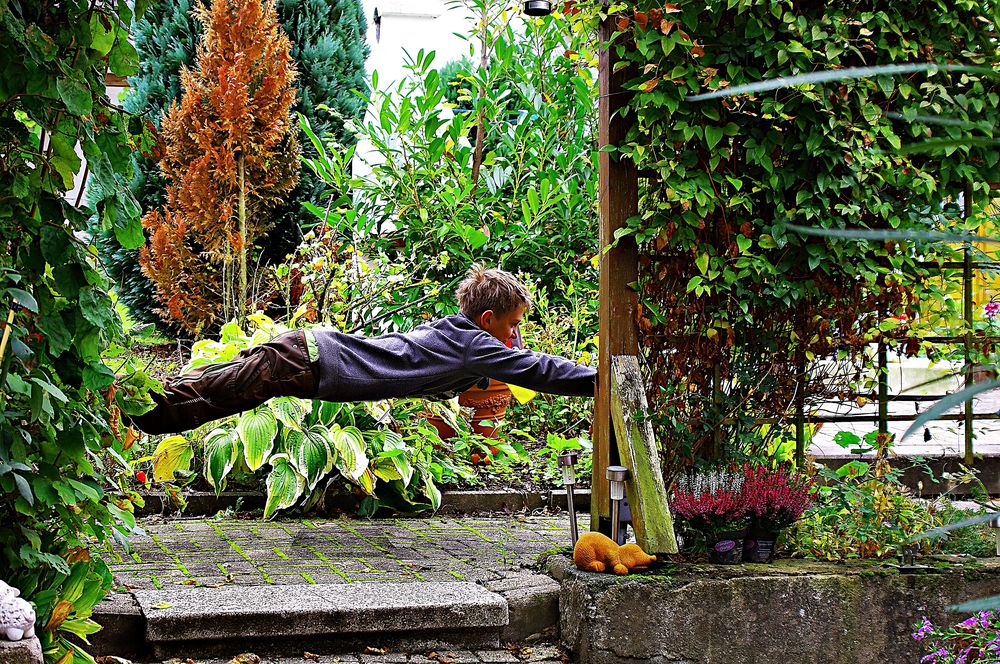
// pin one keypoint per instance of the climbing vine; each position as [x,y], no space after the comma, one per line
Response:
[739,294]
[62,442]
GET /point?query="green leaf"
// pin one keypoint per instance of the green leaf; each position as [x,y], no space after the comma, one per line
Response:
[311,454]
[76,96]
[257,430]
[222,450]
[101,38]
[713,135]
[284,485]
[290,411]
[432,492]
[24,489]
[53,391]
[124,59]
[350,447]
[81,627]
[24,298]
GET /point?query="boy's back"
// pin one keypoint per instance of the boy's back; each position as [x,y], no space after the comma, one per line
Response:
[438,360]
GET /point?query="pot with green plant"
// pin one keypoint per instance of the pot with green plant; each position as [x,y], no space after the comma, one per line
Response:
[774,498]
[711,502]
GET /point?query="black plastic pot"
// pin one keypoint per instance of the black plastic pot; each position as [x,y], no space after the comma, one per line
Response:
[758,546]
[726,548]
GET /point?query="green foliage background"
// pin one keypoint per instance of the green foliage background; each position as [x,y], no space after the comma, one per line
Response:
[728,285]
[60,450]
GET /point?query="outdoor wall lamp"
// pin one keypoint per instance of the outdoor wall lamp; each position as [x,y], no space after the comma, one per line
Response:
[537,7]
[616,478]
[567,462]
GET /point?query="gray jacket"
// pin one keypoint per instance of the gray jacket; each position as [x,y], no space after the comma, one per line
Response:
[437,360]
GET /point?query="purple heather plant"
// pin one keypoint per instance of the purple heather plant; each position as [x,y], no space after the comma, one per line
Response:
[975,640]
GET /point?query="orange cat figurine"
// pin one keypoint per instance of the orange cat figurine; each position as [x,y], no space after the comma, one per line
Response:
[596,552]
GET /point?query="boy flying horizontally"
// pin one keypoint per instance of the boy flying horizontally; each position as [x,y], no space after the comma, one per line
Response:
[437,360]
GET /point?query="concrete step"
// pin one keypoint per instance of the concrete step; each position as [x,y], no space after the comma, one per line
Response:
[287,620]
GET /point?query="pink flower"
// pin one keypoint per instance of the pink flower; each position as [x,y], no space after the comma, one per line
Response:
[991,309]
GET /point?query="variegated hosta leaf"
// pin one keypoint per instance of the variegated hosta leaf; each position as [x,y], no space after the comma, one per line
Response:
[328,434]
[393,441]
[432,491]
[222,449]
[257,429]
[311,454]
[172,454]
[385,470]
[329,412]
[284,485]
[351,458]
[290,411]
[367,481]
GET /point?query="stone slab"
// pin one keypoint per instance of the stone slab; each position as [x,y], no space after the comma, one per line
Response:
[744,614]
[25,651]
[189,614]
[123,627]
[533,604]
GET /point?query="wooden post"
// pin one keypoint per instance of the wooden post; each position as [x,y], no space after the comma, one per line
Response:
[647,493]
[618,193]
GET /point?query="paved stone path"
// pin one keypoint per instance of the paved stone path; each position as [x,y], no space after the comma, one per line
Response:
[542,653]
[211,552]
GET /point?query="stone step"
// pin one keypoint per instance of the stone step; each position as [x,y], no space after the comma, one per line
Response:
[287,620]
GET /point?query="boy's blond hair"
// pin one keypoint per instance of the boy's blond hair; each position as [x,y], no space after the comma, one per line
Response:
[490,289]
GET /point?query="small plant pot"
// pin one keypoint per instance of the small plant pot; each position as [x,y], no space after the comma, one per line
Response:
[444,429]
[758,546]
[726,548]
[488,405]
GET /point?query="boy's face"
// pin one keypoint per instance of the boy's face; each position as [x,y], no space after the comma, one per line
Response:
[502,326]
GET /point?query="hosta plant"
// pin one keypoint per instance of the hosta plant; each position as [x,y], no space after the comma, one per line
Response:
[383,449]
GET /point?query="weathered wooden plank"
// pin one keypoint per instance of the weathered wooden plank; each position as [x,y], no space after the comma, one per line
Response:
[647,492]
[618,193]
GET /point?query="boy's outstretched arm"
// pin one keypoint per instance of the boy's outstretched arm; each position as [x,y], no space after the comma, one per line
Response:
[541,372]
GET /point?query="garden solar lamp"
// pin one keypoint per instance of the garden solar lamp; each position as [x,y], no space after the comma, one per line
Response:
[537,7]
[567,462]
[616,479]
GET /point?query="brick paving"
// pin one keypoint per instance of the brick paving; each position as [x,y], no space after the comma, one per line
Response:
[215,552]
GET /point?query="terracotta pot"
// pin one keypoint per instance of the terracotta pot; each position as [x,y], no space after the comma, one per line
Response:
[444,429]
[489,404]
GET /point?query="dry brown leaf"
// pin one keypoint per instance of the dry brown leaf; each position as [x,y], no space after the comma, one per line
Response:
[310,655]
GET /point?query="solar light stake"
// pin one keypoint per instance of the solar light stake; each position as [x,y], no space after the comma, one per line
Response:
[567,462]
[616,478]
[537,7]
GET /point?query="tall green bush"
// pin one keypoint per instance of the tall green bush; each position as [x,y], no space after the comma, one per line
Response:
[737,300]
[330,50]
[509,179]
[61,439]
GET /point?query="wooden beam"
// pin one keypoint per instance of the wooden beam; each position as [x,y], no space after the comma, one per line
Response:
[645,488]
[618,193]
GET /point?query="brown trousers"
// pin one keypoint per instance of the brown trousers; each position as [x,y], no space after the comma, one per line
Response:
[280,367]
